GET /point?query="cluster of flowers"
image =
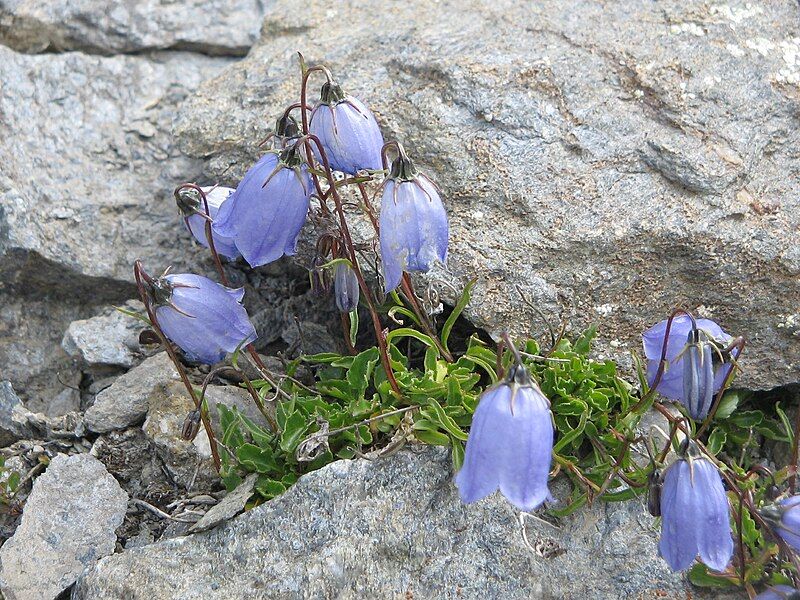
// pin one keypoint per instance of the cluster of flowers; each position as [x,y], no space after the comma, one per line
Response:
[262,218]
[689,361]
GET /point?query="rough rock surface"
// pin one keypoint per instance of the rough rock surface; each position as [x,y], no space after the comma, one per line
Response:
[128,399]
[68,525]
[611,160]
[360,529]
[221,27]
[85,188]
[110,339]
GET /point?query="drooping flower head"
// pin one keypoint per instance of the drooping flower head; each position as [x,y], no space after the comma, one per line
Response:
[510,444]
[694,371]
[779,592]
[205,319]
[265,214]
[785,517]
[694,513]
[345,287]
[192,207]
[347,130]
[413,223]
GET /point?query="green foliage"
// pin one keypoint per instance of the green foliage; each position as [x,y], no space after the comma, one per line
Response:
[9,482]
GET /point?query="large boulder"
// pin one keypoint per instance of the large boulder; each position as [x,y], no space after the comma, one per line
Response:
[396,528]
[67,526]
[607,161]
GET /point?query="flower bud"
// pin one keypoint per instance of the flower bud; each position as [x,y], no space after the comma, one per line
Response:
[191,205]
[698,375]
[510,444]
[694,513]
[345,288]
[265,214]
[191,425]
[413,223]
[205,319]
[347,130]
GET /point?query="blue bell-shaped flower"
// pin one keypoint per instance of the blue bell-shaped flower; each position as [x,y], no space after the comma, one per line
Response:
[347,130]
[265,214]
[510,444]
[193,209]
[413,223]
[205,319]
[694,513]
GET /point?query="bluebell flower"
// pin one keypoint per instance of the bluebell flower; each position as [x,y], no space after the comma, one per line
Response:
[510,444]
[779,592]
[205,319]
[345,287]
[193,209]
[694,513]
[265,214]
[347,130]
[413,223]
[686,377]
[785,517]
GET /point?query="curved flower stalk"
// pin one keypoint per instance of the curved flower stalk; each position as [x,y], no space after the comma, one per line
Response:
[785,517]
[347,130]
[265,214]
[205,319]
[192,205]
[510,444]
[694,513]
[779,592]
[413,223]
[345,285]
[694,370]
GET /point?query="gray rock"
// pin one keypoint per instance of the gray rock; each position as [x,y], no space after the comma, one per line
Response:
[219,28]
[16,421]
[67,525]
[188,462]
[230,506]
[592,155]
[128,399]
[110,339]
[88,168]
[360,529]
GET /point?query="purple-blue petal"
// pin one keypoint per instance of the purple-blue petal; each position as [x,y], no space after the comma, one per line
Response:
[789,528]
[671,384]
[694,516]
[265,220]
[777,592]
[224,245]
[509,448]
[349,134]
[207,320]
[414,228]
[346,290]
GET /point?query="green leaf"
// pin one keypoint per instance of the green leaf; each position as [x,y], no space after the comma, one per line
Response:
[787,427]
[727,405]
[700,577]
[412,333]
[446,422]
[13,481]
[433,438]
[253,458]
[749,418]
[716,441]
[457,453]
[269,488]
[584,343]
[293,431]
[358,375]
[571,435]
[459,308]
[353,326]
